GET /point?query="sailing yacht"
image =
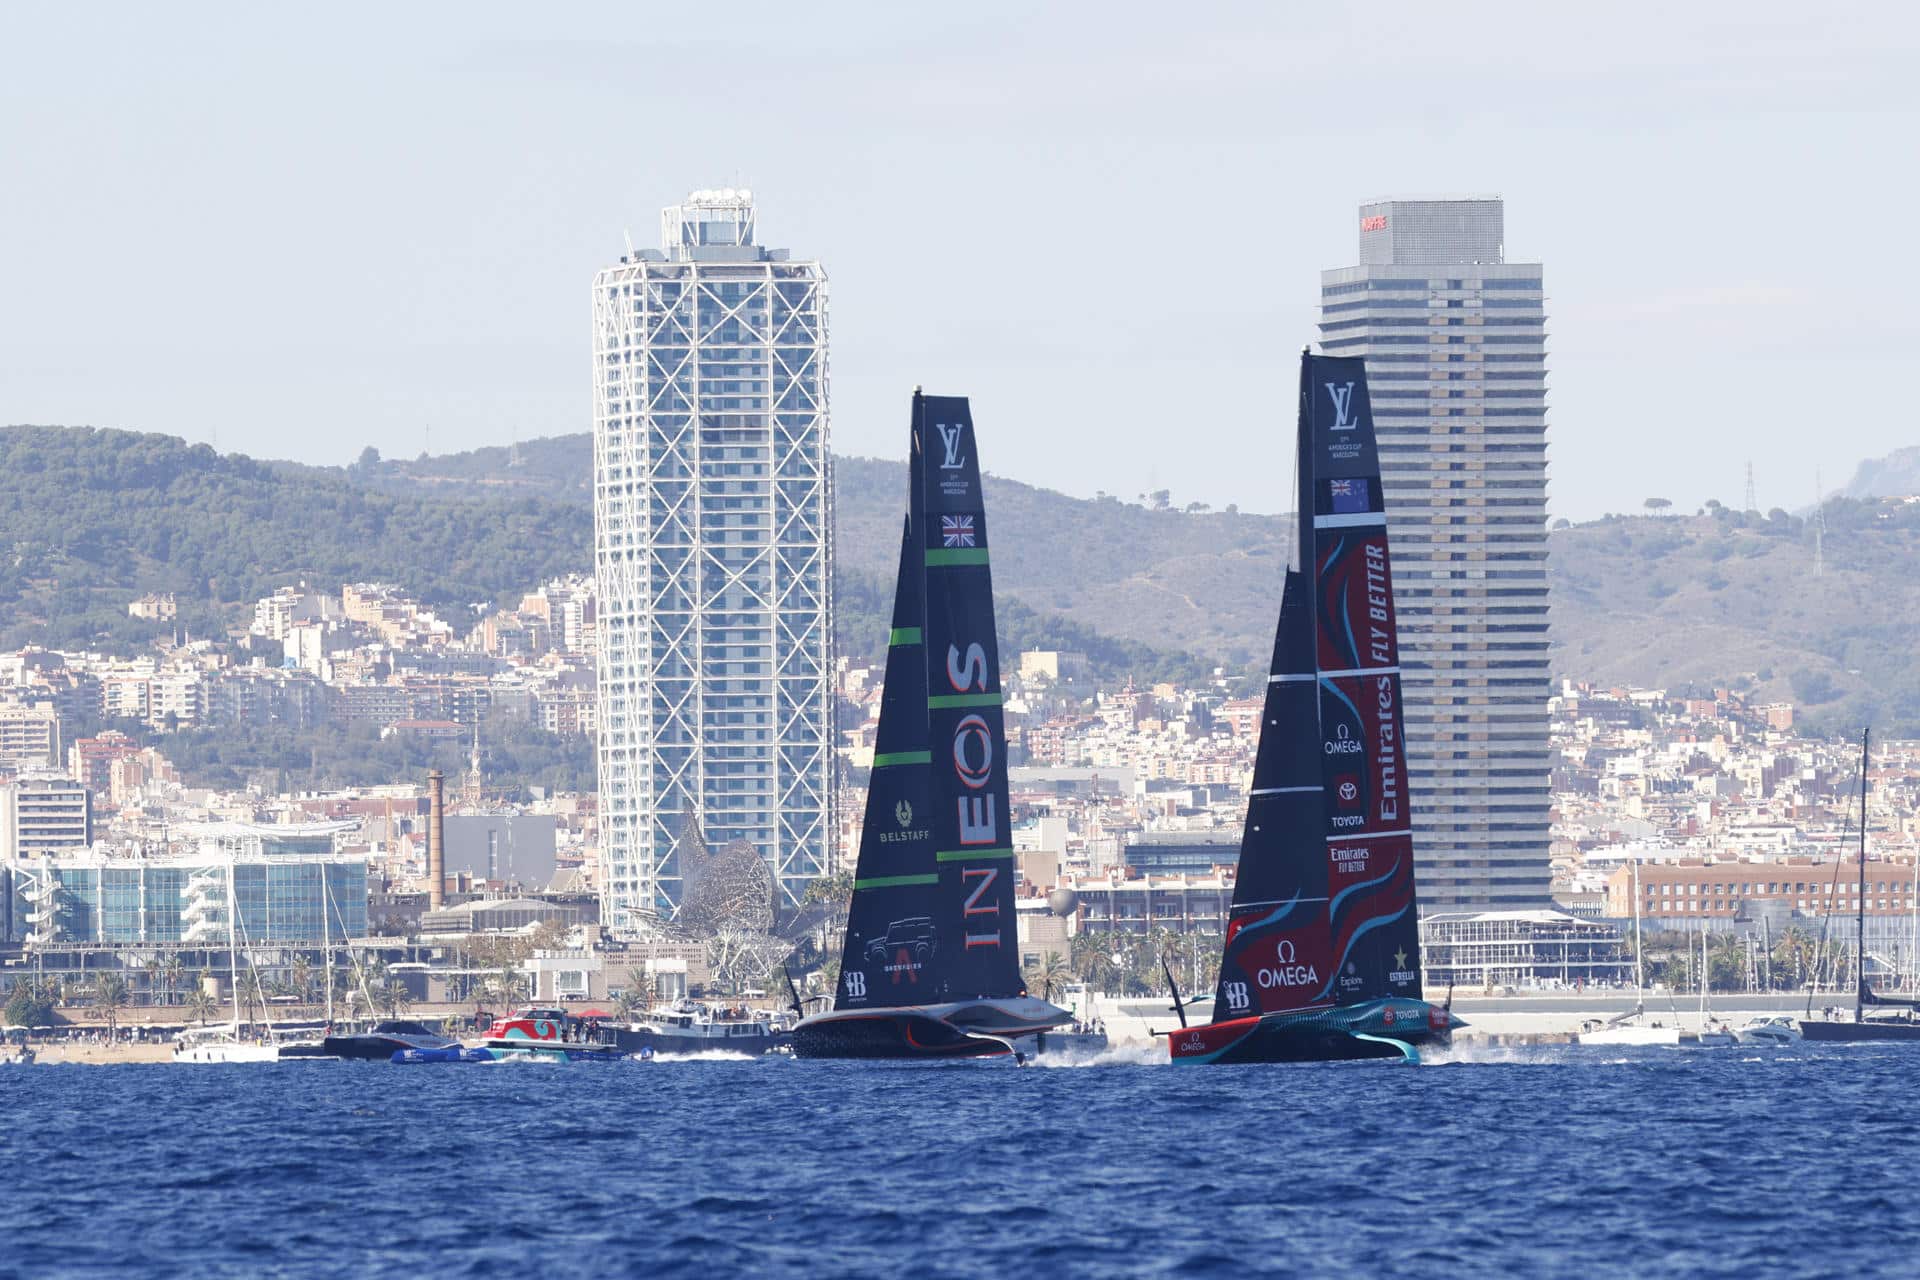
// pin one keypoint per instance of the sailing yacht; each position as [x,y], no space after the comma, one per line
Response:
[1631,1028]
[218,1044]
[1713,1033]
[931,963]
[1901,1026]
[1322,954]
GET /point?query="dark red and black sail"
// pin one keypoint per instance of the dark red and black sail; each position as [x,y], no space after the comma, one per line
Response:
[1373,919]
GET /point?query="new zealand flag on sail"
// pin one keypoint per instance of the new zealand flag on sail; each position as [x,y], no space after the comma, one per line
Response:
[1349,497]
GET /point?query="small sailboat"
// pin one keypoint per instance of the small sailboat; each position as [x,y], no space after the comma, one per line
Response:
[1631,1028]
[1322,954]
[1713,1033]
[931,962]
[1900,1026]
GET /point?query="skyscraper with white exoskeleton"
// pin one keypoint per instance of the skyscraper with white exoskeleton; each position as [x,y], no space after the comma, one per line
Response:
[1455,342]
[712,546]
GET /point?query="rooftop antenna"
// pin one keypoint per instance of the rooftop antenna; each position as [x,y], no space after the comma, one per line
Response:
[1753,503]
[627,235]
[1819,525]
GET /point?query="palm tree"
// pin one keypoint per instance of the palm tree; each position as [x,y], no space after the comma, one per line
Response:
[109,996]
[392,997]
[172,971]
[302,978]
[629,1003]
[155,968]
[1091,955]
[1049,972]
[200,1005]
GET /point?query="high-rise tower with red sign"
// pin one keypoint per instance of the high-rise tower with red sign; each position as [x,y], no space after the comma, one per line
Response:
[1455,343]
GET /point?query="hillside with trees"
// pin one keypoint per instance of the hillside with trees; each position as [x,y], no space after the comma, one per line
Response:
[1742,599]
[89,518]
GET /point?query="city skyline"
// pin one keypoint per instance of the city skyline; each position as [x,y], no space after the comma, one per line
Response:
[1689,309]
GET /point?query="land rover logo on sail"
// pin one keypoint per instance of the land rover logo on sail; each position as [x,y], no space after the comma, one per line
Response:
[1343,742]
[903,814]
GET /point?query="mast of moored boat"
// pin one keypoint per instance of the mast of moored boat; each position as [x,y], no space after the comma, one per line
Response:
[233,948]
[1860,904]
[326,941]
[1639,974]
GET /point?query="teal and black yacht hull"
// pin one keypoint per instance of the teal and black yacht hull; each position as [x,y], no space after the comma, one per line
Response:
[1395,1029]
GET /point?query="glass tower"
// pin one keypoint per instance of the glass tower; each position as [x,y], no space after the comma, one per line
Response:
[713,551]
[1455,343]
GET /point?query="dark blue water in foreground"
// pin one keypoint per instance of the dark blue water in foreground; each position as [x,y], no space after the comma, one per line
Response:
[1552,1162]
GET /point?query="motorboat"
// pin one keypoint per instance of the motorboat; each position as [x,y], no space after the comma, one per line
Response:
[1776,1029]
[1711,1035]
[689,1027]
[546,1034]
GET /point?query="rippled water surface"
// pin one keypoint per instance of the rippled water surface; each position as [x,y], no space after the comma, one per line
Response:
[1549,1162]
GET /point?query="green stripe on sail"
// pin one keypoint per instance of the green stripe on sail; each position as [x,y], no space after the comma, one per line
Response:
[902,757]
[943,700]
[956,555]
[969,855]
[888,882]
[904,635]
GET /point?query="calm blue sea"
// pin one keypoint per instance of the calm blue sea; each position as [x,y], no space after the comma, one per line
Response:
[1562,1162]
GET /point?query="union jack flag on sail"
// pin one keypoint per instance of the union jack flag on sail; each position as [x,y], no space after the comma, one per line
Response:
[956,531]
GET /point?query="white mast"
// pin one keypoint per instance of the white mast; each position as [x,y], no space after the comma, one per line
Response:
[1706,975]
[233,948]
[326,940]
[1913,953]
[1639,977]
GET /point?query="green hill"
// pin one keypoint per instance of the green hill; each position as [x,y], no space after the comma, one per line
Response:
[89,517]
[1733,598]
[1170,581]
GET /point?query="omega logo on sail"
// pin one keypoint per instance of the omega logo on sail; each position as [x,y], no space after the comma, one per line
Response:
[1287,972]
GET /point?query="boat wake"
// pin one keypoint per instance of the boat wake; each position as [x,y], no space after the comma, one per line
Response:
[703,1055]
[1130,1054]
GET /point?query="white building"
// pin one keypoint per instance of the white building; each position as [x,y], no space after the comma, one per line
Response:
[1455,344]
[712,553]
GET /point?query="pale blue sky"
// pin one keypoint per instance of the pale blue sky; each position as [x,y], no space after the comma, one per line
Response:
[297,232]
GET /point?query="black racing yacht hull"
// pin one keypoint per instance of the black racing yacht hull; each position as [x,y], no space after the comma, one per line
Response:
[961,1030]
[1882,1029]
[381,1043]
[891,1034]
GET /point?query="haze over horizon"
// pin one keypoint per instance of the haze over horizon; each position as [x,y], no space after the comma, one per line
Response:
[294,241]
